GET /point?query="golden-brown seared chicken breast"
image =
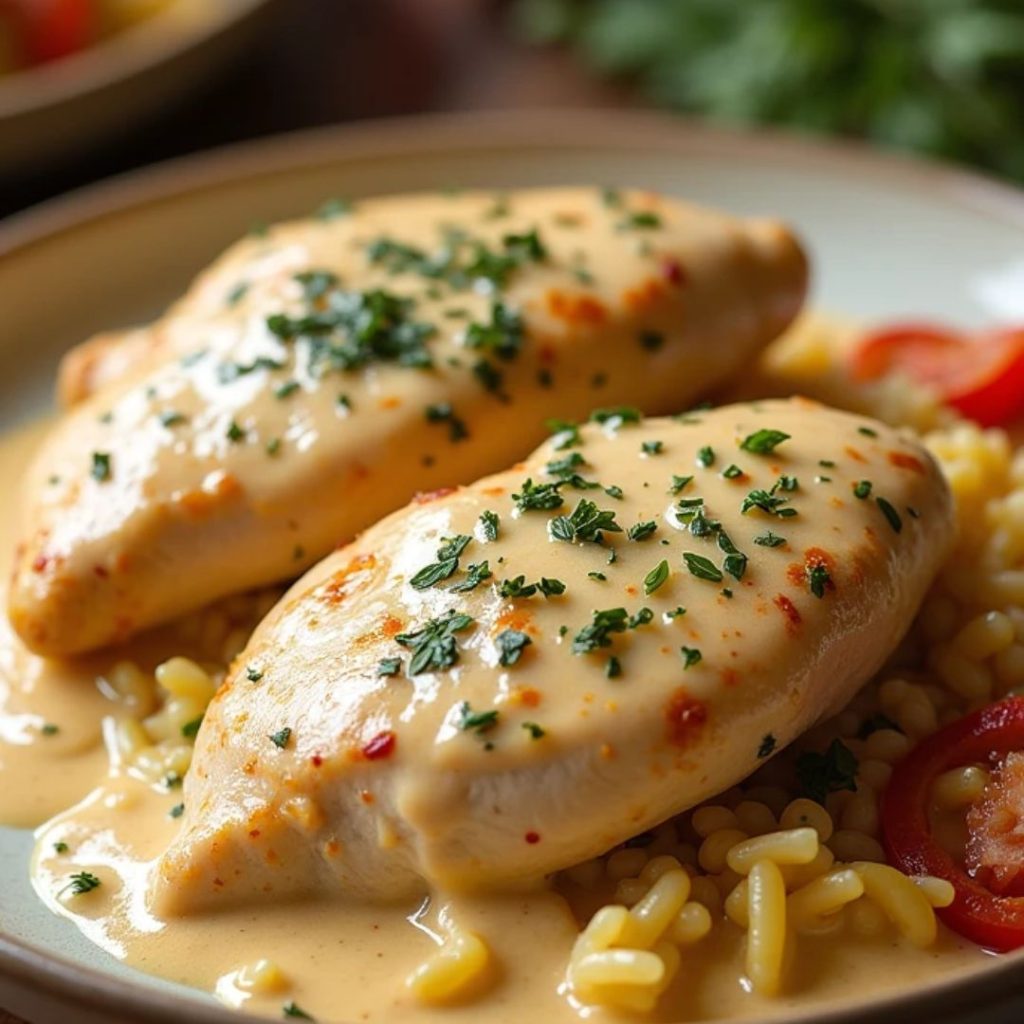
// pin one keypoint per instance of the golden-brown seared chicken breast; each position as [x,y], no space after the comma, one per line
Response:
[498,682]
[316,377]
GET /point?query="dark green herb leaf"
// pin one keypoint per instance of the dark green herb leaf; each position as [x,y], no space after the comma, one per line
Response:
[891,515]
[831,772]
[764,441]
[656,577]
[433,645]
[511,644]
[701,567]
[281,737]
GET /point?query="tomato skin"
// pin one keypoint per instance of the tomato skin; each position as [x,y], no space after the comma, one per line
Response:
[995,922]
[58,28]
[980,377]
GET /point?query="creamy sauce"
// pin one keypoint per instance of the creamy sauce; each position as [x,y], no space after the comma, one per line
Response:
[346,962]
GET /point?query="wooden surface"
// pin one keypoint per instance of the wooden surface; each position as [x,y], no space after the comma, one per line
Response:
[329,61]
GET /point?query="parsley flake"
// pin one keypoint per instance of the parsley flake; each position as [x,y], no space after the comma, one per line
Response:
[764,441]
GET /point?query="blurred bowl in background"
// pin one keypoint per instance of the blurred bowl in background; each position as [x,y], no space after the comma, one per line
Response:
[55,108]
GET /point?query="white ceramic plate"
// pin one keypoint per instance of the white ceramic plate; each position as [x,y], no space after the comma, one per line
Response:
[60,106]
[889,238]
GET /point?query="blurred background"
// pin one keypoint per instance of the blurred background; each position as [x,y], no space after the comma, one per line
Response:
[89,88]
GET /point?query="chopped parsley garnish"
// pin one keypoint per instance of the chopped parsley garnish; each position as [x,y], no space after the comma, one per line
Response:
[676,612]
[640,531]
[253,674]
[190,729]
[656,577]
[767,747]
[281,737]
[332,209]
[652,340]
[446,565]
[826,463]
[818,579]
[614,491]
[101,466]
[511,644]
[706,456]
[566,434]
[442,412]
[234,433]
[701,567]
[50,729]
[787,483]
[550,587]
[389,666]
[476,573]
[535,731]
[82,882]
[768,502]
[867,431]
[769,539]
[642,219]
[171,418]
[294,1010]
[732,471]
[821,774]
[613,667]
[763,442]
[177,811]
[433,645]
[615,417]
[862,489]
[532,497]
[891,515]
[735,563]
[585,523]
[237,293]
[595,575]
[598,632]
[679,483]
[273,446]
[288,387]
[489,524]
[503,335]
[691,656]
[61,847]
[643,617]
[652,447]
[476,721]
[567,470]
[517,587]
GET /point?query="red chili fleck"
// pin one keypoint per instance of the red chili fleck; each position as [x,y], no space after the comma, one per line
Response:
[316,760]
[788,609]
[685,716]
[382,745]
[729,677]
[532,837]
[40,562]
[854,454]
[101,571]
[901,460]
[673,272]
[254,833]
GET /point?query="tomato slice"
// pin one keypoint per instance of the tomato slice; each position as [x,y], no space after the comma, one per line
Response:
[991,920]
[58,28]
[982,376]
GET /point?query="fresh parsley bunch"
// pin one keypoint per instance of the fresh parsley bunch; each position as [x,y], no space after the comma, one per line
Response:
[941,76]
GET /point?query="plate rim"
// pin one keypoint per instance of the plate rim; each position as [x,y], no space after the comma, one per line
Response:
[50,974]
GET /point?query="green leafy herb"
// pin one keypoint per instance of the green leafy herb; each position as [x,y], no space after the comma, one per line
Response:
[656,577]
[253,674]
[177,811]
[613,667]
[511,644]
[595,575]
[706,456]
[433,645]
[701,567]
[867,431]
[550,587]
[642,219]
[764,441]
[767,747]
[476,573]
[691,656]
[101,466]
[503,335]
[768,502]
[874,724]
[732,471]
[442,412]
[61,847]
[818,579]
[234,433]
[641,531]
[332,209]
[517,587]
[769,539]
[679,483]
[862,489]
[50,729]
[191,729]
[535,731]
[476,721]
[448,562]
[831,772]
[82,882]
[389,666]
[652,340]
[566,434]
[281,737]
[294,1010]
[652,447]
[585,523]
[617,416]
[614,491]
[532,497]
[891,515]
[489,525]
[598,632]
[171,418]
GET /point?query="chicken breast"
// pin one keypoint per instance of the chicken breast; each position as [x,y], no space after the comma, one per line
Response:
[500,681]
[317,377]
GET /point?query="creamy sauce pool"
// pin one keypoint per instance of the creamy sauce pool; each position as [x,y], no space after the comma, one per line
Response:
[339,961]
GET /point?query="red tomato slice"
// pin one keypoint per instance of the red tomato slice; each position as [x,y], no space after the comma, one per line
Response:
[982,376]
[993,921]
